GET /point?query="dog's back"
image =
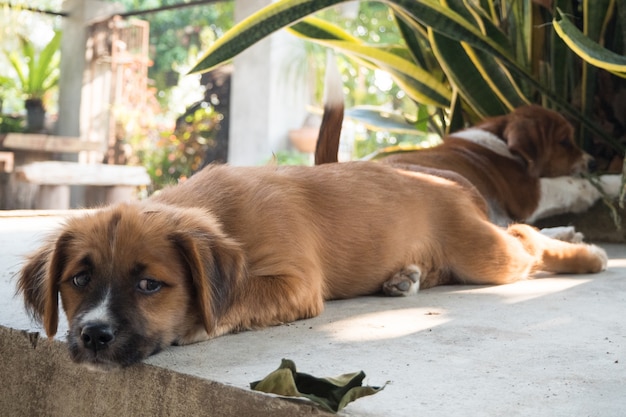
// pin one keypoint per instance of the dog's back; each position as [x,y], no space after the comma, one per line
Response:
[503,158]
[361,206]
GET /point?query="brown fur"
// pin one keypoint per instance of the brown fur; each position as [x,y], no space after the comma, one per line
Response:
[242,248]
[541,139]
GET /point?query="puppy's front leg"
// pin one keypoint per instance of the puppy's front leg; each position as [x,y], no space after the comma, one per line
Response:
[572,195]
[264,301]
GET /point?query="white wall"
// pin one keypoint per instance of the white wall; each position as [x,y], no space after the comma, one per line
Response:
[263,106]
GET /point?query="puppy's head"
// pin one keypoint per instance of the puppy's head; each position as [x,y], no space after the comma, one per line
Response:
[543,138]
[133,280]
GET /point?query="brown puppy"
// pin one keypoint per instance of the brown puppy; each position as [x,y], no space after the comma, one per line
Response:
[504,158]
[243,248]
[523,163]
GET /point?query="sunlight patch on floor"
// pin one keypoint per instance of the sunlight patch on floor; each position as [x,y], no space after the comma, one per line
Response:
[385,324]
[617,263]
[527,290]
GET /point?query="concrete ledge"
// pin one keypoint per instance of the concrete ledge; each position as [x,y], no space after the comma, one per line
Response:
[75,173]
[38,379]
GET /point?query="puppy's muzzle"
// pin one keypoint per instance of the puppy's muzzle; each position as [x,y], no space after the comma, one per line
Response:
[592,164]
[587,164]
[97,336]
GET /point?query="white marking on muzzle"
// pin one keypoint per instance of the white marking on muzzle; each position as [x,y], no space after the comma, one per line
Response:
[100,313]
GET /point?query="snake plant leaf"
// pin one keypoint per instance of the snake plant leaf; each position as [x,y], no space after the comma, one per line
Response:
[482,70]
[496,75]
[313,28]
[522,31]
[441,18]
[456,114]
[498,78]
[378,119]
[466,26]
[595,19]
[416,39]
[461,72]
[430,13]
[587,49]
[257,26]
[286,12]
[559,72]
[417,83]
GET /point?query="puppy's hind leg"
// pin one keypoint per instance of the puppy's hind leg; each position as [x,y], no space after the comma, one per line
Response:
[557,256]
[488,255]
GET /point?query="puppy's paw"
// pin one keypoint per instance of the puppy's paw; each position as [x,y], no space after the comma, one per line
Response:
[405,282]
[564,233]
[601,257]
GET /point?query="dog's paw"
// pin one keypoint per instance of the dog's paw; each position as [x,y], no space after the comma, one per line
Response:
[564,233]
[405,282]
[611,184]
[602,257]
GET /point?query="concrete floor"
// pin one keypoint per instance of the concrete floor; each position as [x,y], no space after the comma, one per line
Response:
[554,346]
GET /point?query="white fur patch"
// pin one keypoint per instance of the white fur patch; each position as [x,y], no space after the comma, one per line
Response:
[333,90]
[415,272]
[564,233]
[572,195]
[485,139]
[600,253]
[101,313]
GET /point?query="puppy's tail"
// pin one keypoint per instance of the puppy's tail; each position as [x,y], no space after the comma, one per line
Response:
[327,146]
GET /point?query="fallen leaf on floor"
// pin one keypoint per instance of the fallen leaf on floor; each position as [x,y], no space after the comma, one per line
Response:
[332,394]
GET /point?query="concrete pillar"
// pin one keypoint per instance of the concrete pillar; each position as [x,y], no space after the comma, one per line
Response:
[72,69]
[81,14]
[264,105]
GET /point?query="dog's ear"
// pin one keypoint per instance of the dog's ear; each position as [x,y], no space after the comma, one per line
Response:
[39,280]
[517,136]
[216,264]
[517,130]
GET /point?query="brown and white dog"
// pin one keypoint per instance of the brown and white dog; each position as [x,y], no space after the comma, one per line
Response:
[525,164]
[237,248]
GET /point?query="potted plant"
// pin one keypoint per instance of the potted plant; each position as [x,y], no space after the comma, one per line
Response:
[37,74]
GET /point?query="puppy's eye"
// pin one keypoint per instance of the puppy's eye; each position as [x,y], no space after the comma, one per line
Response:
[566,143]
[149,286]
[81,280]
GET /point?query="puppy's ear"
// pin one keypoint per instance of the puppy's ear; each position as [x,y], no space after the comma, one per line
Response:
[521,137]
[39,280]
[517,130]
[217,267]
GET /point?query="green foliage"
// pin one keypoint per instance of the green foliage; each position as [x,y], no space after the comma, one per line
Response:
[468,60]
[37,71]
[178,154]
[590,51]
[174,32]
[11,124]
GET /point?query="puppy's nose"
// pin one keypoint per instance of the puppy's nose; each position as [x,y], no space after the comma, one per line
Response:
[97,336]
[592,164]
